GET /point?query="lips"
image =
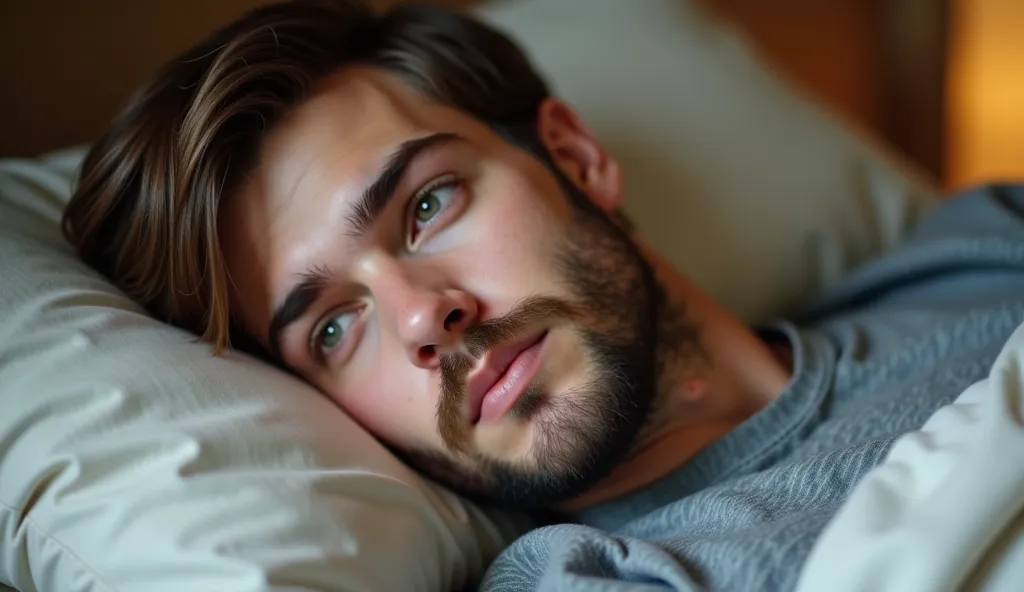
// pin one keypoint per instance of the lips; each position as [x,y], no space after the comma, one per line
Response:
[502,377]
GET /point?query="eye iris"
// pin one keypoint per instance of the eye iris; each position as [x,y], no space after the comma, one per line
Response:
[427,207]
[330,334]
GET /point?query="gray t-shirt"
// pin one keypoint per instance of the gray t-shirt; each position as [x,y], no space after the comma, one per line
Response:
[874,359]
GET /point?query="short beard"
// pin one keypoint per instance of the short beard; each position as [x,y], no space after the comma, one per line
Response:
[580,435]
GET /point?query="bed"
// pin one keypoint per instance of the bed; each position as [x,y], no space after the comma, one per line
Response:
[130,459]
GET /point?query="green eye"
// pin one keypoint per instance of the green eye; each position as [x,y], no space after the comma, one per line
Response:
[432,202]
[330,335]
[427,207]
[332,331]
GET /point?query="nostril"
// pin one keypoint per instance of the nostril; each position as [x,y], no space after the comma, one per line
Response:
[453,318]
[427,353]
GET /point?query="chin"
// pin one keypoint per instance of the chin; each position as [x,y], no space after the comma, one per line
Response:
[512,438]
[541,424]
[564,433]
[548,449]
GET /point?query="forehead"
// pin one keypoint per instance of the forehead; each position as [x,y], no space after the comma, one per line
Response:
[344,131]
[312,166]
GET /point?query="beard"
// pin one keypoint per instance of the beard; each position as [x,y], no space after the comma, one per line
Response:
[581,434]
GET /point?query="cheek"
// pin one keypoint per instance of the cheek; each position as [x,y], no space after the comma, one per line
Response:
[510,239]
[391,398]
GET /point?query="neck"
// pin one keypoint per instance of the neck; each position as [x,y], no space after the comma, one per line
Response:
[713,374]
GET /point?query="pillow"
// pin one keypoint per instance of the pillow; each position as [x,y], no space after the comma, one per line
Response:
[762,197]
[130,459]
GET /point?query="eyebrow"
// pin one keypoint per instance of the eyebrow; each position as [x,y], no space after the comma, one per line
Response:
[375,199]
[365,213]
[300,297]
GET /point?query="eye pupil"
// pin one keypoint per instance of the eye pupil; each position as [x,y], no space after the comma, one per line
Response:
[427,207]
[330,334]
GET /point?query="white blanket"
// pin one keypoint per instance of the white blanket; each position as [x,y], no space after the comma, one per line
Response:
[945,511]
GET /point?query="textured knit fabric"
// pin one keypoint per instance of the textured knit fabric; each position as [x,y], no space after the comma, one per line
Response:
[874,359]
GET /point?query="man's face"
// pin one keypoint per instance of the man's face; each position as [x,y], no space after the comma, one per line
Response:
[490,324]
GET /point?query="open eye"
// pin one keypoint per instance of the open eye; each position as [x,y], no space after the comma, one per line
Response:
[330,333]
[431,202]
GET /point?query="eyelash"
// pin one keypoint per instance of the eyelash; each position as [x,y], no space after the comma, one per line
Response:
[315,342]
[450,180]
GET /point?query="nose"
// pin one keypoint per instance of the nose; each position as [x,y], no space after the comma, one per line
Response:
[432,322]
[425,312]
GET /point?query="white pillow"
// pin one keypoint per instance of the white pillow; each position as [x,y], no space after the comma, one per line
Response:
[130,459]
[762,197]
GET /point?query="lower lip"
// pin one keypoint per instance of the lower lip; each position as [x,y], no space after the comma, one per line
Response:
[512,383]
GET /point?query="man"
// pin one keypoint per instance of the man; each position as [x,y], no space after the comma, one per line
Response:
[394,208]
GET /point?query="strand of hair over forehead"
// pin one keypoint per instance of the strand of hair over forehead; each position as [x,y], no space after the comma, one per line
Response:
[281,60]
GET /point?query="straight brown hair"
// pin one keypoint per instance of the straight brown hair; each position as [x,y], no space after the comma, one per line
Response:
[144,211]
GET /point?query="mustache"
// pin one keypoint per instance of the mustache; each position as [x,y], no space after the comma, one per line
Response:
[478,339]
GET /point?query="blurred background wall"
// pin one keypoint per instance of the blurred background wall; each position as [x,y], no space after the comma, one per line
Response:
[985,115]
[939,79]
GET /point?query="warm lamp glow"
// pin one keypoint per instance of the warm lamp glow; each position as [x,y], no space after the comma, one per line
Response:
[985,124]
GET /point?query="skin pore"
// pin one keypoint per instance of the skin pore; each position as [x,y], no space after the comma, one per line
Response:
[387,249]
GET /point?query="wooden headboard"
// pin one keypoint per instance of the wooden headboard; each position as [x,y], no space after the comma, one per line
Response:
[67,65]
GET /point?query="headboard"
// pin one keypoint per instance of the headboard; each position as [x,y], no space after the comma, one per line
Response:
[67,65]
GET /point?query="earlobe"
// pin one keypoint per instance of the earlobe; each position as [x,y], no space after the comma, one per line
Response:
[579,154]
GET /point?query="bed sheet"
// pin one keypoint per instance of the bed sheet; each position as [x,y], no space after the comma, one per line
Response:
[945,510]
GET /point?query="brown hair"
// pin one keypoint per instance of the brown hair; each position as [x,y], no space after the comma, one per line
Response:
[144,212]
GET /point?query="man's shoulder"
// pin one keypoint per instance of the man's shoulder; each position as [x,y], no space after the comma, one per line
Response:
[975,212]
[954,290]
[966,255]
[750,533]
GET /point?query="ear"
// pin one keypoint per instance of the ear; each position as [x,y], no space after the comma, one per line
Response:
[579,155]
